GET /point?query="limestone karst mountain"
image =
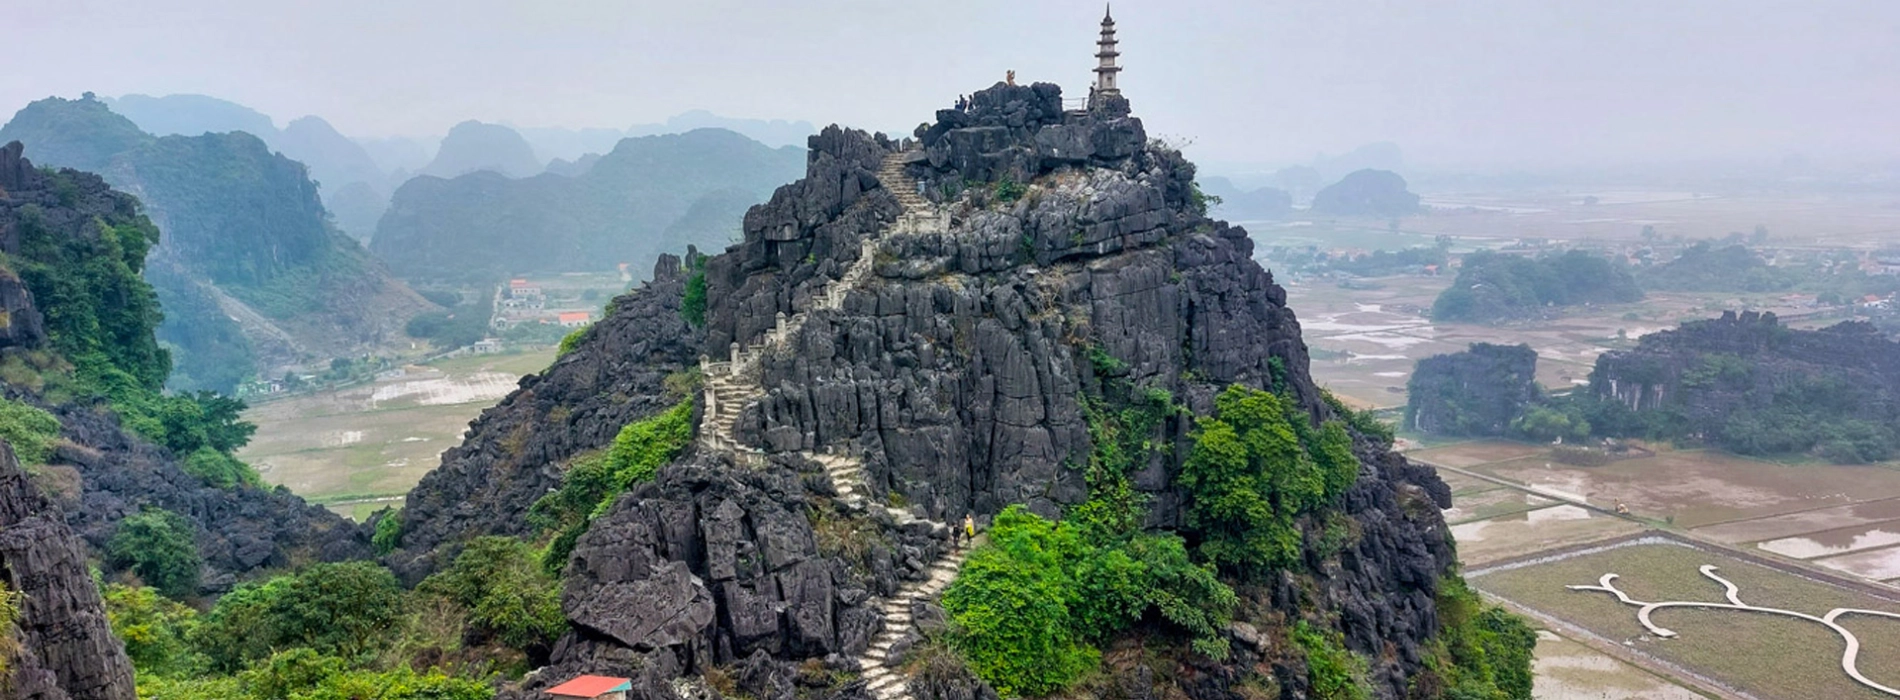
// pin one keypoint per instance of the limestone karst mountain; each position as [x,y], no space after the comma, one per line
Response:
[81,353]
[1367,192]
[473,146]
[353,186]
[960,322]
[254,277]
[190,115]
[484,225]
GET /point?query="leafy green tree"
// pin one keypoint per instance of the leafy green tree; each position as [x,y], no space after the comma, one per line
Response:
[160,547]
[1257,466]
[1334,672]
[1547,423]
[1011,608]
[240,629]
[1484,651]
[1030,603]
[220,469]
[341,609]
[155,630]
[388,534]
[500,582]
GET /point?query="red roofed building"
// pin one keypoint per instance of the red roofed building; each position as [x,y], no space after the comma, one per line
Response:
[593,688]
[575,319]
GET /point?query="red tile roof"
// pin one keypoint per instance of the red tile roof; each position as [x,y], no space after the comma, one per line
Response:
[575,316]
[590,686]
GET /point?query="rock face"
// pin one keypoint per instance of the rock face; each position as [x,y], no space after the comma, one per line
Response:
[239,530]
[66,648]
[20,322]
[1064,252]
[1657,374]
[1472,393]
[1367,192]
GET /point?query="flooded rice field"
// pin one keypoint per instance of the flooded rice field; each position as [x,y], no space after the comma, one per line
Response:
[1527,526]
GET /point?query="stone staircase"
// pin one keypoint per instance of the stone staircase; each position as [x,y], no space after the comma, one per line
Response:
[881,674]
[734,383]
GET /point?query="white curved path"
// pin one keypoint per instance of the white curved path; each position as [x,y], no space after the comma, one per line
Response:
[1849,658]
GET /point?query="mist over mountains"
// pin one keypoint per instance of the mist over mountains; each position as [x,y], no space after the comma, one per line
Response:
[649,195]
[251,274]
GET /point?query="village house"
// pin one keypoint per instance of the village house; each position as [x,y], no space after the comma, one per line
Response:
[574,319]
[593,688]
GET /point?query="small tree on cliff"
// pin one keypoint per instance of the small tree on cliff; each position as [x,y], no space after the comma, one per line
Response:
[158,546]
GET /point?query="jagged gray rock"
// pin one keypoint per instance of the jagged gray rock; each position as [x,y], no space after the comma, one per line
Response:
[67,650]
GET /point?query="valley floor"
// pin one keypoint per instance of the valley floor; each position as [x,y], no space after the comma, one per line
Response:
[1804,537]
[360,448]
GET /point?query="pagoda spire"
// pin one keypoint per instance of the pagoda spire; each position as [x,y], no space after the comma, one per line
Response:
[1105,55]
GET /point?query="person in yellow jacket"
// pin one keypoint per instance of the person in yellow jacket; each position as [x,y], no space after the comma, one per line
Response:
[969,527]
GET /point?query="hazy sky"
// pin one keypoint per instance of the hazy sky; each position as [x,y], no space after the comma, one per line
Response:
[1454,82]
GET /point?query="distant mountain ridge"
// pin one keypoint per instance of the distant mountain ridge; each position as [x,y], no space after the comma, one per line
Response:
[252,277]
[474,146]
[348,176]
[482,225]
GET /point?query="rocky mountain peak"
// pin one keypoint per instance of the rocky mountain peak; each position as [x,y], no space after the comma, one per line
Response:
[915,331]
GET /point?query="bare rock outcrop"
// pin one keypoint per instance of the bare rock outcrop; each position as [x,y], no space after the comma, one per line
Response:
[66,647]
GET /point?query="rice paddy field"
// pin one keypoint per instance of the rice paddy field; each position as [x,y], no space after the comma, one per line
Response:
[1805,537]
[1762,655]
[360,448]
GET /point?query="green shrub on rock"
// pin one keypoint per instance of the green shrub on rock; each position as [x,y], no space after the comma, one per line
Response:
[160,547]
[29,430]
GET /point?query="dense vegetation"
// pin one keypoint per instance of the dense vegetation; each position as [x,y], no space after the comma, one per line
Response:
[1484,652]
[100,317]
[456,327]
[238,217]
[1748,386]
[1729,266]
[1475,393]
[1729,402]
[29,430]
[1711,267]
[157,546]
[329,631]
[1497,287]
[1378,263]
[1258,466]
[1031,604]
